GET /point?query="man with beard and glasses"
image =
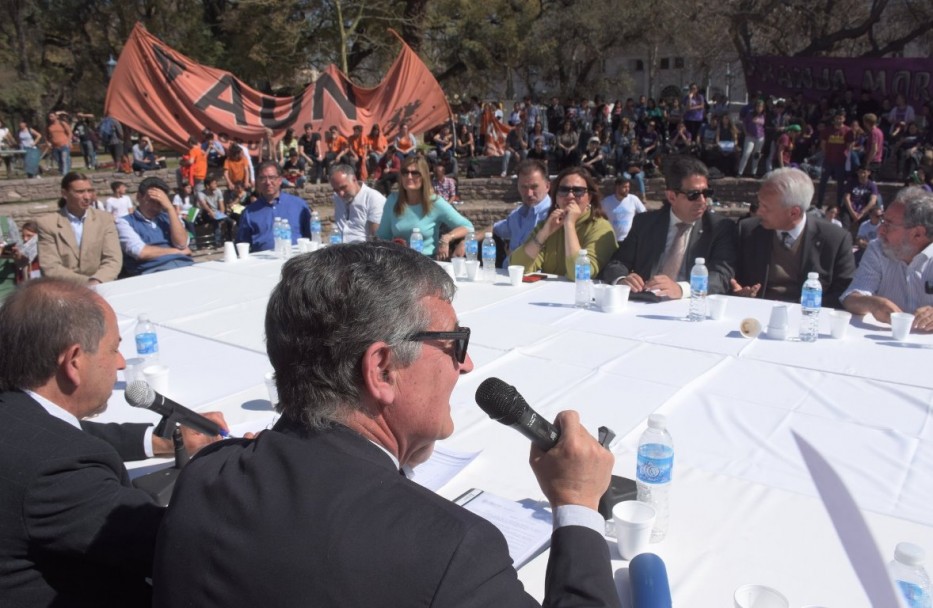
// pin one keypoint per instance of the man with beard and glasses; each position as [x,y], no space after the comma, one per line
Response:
[896,273]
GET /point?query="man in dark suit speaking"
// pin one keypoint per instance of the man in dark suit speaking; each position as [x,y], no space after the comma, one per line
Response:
[660,249]
[783,243]
[73,531]
[317,511]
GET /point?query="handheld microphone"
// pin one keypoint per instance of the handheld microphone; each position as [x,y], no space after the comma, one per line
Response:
[140,394]
[503,403]
[648,580]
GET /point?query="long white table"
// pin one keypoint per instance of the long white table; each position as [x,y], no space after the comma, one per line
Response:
[743,507]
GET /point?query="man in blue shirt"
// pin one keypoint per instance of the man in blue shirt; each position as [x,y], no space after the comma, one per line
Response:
[258,219]
[533,188]
[153,237]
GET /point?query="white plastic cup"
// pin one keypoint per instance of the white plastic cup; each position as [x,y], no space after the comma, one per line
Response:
[901,322]
[759,596]
[242,250]
[717,306]
[304,245]
[270,386]
[459,266]
[777,326]
[472,269]
[449,269]
[516,274]
[134,370]
[156,376]
[633,522]
[750,328]
[229,251]
[615,298]
[839,323]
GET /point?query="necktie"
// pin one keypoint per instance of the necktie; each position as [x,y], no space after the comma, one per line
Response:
[787,240]
[675,255]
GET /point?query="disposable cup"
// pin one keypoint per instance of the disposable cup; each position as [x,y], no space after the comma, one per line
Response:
[270,386]
[516,273]
[839,323]
[229,252]
[717,307]
[759,596]
[633,522]
[304,245]
[459,267]
[134,370]
[901,322]
[157,377]
[449,269]
[614,298]
[472,269]
[750,327]
[242,250]
[777,326]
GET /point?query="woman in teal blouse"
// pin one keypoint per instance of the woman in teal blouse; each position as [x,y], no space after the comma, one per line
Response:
[416,205]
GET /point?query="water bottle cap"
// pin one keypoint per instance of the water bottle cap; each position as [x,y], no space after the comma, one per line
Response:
[488,235]
[144,317]
[813,275]
[414,230]
[700,261]
[657,421]
[909,554]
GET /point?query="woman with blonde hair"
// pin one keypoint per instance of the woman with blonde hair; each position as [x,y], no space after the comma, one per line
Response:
[416,205]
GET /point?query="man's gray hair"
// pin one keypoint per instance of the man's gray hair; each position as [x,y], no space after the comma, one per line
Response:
[345,169]
[41,320]
[333,304]
[794,186]
[918,208]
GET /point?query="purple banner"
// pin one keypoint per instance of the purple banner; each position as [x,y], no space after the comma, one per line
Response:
[819,76]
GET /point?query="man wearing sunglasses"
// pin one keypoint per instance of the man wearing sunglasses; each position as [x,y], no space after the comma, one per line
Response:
[367,350]
[660,249]
[782,243]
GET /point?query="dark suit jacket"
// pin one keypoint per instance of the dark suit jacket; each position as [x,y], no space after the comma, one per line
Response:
[99,256]
[712,238]
[324,518]
[827,249]
[73,531]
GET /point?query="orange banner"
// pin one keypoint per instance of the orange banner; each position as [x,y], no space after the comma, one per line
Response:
[160,92]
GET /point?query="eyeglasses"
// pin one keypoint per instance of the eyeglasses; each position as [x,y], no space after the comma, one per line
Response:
[267,178]
[461,335]
[889,224]
[410,173]
[576,191]
[693,195]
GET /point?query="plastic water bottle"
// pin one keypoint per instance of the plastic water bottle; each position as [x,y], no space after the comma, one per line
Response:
[416,241]
[286,239]
[489,257]
[699,287]
[811,298]
[655,465]
[909,575]
[336,237]
[584,286]
[315,227]
[277,236]
[147,341]
[472,247]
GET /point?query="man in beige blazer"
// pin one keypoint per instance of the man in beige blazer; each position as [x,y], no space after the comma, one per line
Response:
[79,243]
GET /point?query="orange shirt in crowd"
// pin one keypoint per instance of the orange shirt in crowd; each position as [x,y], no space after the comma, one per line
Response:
[338,144]
[377,144]
[359,145]
[198,163]
[59,134]
[237,171]
[404,144]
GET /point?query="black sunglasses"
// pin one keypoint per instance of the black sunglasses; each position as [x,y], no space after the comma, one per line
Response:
[577,191]
[461,335]
[411,173]
[693,195]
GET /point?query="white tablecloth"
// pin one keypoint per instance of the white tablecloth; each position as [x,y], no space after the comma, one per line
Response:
[744,508]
